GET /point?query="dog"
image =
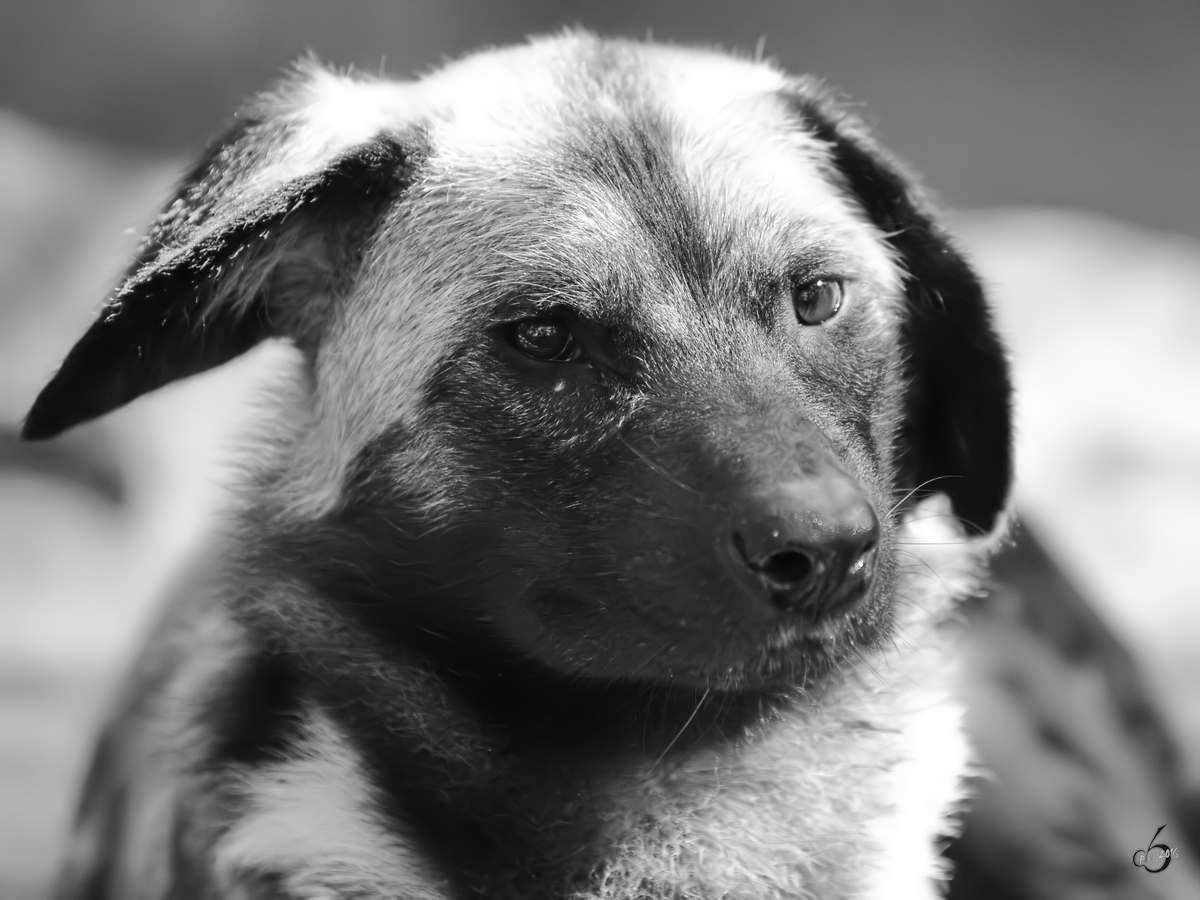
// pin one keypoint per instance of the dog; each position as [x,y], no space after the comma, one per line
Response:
[644,431]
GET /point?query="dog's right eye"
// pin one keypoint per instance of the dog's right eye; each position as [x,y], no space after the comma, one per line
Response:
[818,301]
[546,340]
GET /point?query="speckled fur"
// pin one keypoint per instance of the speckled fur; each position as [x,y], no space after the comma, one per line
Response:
[473,633]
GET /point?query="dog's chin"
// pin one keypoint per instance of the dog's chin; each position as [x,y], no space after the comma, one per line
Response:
[785,654]
[796,655]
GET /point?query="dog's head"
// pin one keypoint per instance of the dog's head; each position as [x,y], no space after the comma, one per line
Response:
[622,357]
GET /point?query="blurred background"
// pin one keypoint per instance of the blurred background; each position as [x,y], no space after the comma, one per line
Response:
[1064,137]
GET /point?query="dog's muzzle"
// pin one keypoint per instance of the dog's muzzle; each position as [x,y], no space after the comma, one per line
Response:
[808,542]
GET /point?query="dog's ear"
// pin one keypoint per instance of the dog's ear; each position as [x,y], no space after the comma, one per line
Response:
[261,233]
[956,436]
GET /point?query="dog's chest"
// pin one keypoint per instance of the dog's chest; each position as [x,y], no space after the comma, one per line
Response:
[820,802]
[842,801]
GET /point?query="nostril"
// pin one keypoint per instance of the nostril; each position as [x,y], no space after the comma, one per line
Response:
[784,570]
[787,568]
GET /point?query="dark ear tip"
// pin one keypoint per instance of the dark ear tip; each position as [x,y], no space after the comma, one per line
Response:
[68,400]
[45,419]
[36,432]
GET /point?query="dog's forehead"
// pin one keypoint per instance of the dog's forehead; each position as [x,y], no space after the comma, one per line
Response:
[501,125]
[604,150]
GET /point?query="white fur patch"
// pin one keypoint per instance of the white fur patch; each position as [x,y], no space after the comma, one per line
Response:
[920,675]
[312,821]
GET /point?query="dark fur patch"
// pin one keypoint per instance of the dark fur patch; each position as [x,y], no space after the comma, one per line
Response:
[633,159]
[254,719]
[498,769]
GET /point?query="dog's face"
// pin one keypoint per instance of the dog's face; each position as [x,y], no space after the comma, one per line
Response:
[622,358]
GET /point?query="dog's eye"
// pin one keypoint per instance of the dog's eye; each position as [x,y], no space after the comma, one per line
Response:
[817,301]
[548,340]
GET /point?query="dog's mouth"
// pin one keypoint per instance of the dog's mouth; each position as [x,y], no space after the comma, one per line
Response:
[717,648]
[799,652]
[823,634]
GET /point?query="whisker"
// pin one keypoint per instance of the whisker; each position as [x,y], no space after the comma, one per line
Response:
[920,487]
[655,467]
[679,734]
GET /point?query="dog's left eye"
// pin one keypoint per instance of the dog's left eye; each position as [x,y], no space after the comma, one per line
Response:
[547,340]
[817,301]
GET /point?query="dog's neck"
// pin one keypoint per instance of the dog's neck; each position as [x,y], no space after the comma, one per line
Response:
[530,802]
[629,785]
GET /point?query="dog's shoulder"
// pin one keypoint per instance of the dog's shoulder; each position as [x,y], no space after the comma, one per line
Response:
[150,763]
[311,823]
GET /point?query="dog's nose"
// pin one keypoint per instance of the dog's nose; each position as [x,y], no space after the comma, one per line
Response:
[809,542]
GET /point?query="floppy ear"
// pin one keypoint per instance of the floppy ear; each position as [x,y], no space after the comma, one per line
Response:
[259,236]
[956,436]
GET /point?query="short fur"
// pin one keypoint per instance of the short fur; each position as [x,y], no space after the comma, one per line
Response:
[480,632]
